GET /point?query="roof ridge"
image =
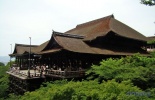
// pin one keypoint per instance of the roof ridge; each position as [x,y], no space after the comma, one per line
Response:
[68,35]
[24,45]
[94,21]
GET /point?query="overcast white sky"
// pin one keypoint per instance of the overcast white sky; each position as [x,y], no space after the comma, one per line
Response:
[21,19]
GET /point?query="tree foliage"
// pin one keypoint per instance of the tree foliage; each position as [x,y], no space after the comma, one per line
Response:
[148,2]
[85,90]
[151,42]
[2,64]
[3,81]
[139,69]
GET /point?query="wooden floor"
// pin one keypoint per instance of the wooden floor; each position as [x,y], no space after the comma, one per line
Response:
[20,82]
[23,74]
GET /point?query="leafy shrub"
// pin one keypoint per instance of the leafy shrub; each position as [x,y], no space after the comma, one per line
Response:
[86,90]
[2,64]
[139,69]
[3,81]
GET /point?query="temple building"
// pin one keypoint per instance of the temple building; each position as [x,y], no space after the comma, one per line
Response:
[67,55]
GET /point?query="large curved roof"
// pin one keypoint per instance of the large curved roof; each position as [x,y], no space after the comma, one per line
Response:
[75,44]
[75,40]
[102,26]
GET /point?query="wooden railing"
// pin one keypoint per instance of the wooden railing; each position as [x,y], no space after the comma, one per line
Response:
[48,72]
[65,74]
[23,73]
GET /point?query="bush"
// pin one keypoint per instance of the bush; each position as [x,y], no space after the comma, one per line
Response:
[2,64]
[139,69]
[3,81]
[86,90]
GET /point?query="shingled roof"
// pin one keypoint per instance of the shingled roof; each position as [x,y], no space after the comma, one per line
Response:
[75,40]
[40,47]
[21,49]
[102,26]
[150,38]
[75,44]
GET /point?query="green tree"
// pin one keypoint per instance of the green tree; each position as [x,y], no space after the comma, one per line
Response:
[2,64]
[148,2]
[86,90]
[139,69]
[3,81]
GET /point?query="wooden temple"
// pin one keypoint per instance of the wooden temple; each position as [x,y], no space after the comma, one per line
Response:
[68,55]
